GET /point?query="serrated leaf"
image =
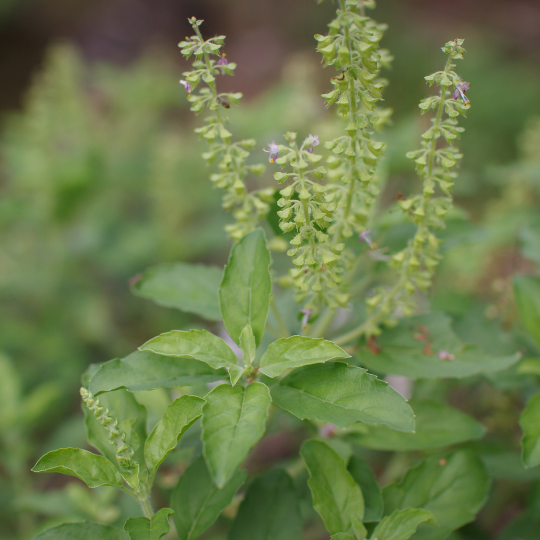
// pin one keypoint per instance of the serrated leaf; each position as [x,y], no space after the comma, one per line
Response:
[364,477]
[453,489]
[529,422]
[336,496]
[192,288]
[402,524]
[234,419]
[403,353]
[180,414]
[92,469]
[297,351]
[86,530]
[147,371]
[142,528]
[244,295]
[197,344]
[198,502]
[527,293]
[269,511]
[437,425]
[342,394]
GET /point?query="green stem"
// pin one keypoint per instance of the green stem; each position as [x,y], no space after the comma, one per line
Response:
[146,507]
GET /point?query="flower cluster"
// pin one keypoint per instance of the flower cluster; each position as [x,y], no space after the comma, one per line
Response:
[435,164]
[247,207]
[352,48]
[309,210]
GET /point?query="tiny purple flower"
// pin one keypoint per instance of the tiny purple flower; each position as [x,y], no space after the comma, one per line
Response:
[312,140]
[445,355]
[273,150]
[187,86]
[365,236]
[222,61]
[328,431]
[461,88]
[307,314]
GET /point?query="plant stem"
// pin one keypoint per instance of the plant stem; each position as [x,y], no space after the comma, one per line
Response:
[146,507]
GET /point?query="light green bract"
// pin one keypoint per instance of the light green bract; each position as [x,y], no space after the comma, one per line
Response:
[244,295]
[297,351]
[233,421]
[342,394]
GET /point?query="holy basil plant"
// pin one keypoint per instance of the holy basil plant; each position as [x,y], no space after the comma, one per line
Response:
[301,353]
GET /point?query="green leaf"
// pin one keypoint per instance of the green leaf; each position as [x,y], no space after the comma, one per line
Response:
[404,353]
[453,489]
[527,293]
[248,345]
[437,425]
[269,511]
[336,496]
[198,502]
[192,288]
[147,371]
[234,419]
[180,414]
[297,351]
[524,527]
[87,530]
[131,416]
[197,344]
[342,394]
[244,295]
[529,422]
[364,477]
[142,528]
[235,372]
[342,536]
[402,524]
[92,469]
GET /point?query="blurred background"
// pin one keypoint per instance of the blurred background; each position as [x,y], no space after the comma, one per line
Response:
[100,178]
